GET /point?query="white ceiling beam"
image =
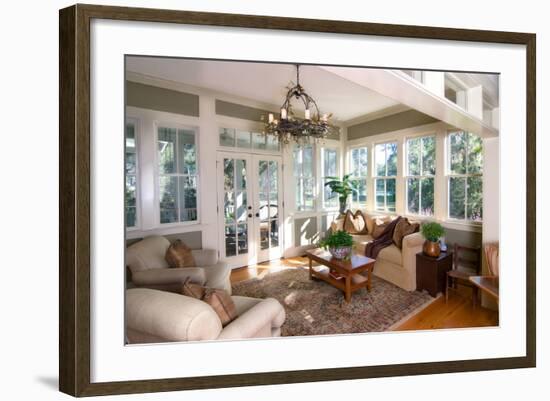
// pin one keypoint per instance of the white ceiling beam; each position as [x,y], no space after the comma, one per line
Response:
[413,94]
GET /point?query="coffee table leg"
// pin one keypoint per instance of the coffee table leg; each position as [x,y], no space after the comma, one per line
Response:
[369,279]
[310,268]
[348,289]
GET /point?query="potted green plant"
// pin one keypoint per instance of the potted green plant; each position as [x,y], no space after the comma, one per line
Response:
[338,243]
[344,188]
[432,232]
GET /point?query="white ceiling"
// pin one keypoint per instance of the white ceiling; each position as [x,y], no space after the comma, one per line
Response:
[266,83]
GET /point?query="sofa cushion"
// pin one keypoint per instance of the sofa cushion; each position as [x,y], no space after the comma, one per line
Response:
[179,255]
[147,254]
[380,224]
[354,223]
[391,254]
[403,228]
[218,299]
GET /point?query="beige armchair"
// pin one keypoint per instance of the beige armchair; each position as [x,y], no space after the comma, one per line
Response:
[160,316]
[149,268]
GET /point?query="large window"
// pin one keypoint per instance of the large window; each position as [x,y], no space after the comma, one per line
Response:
[304,177]
[385,159]
[359,161]
[420,175]
[329,161]
[465,176]
[130,169]
[177,174]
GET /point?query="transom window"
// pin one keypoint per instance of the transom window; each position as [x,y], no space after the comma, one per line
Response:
[304,177]
[359,161]
[177,174]
[385,159]
[329,161]
[243,139]
[130,167]
[465,178]
[420,175]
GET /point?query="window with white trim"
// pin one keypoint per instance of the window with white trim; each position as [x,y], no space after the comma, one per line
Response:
[420,176]
[465,176]
[385,176]
[304,177]
[359,162]
[130,170]
[177,174]
[329,165]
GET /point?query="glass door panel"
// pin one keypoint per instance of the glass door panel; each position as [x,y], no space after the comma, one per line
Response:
[233,207]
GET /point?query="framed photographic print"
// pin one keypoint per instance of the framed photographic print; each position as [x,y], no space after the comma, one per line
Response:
[250,200]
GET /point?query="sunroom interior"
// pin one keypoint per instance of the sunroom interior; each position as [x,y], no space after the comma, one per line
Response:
[200,168]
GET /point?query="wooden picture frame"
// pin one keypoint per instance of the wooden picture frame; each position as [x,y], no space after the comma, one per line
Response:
[74,199]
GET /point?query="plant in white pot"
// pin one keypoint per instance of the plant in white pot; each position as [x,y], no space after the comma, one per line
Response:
[432,232]
[339,244]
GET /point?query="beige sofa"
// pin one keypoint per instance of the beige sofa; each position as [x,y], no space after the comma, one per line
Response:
[160,316]
[398,266]
[149,268]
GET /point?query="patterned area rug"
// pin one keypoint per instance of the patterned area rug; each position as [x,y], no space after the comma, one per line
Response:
[314,307]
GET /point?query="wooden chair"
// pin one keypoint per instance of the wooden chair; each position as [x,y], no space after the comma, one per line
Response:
[463,268]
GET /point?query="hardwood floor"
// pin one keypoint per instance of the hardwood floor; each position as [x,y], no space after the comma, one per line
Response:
[457,313]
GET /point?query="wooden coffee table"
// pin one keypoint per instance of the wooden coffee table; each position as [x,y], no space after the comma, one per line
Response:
[350,270]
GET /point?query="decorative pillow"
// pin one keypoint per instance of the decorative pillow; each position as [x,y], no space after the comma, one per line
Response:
[402,229]
[379,227]
[355,223]
[218,299]
[179,255]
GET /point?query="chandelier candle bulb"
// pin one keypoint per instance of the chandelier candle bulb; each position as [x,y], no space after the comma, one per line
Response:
[307,114]
[270,118]
[283,114]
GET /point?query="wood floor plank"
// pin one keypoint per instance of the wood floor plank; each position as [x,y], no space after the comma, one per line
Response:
[456,313]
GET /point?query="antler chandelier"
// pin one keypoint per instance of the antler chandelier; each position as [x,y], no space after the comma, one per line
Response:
[313,126]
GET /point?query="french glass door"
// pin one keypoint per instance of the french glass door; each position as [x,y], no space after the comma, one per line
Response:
[249,208]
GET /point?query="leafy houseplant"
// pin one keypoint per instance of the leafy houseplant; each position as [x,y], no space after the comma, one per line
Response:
[432,232]
[338,243]
[344,188]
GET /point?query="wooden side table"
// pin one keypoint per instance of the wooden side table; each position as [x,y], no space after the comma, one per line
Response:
[431,272]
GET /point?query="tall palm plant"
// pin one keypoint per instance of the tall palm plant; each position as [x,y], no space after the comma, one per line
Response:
[343,188]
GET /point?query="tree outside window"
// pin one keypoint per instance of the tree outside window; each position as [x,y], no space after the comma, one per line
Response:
[130,170]
[177,158]
[304,177]
[385,158]
[465,176]
[359,162]
[420,175]
[330,170]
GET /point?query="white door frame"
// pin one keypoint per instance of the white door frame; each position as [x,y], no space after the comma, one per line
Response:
[254,254]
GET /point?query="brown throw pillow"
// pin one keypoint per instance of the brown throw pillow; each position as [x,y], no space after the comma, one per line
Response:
[355,223]
[218,299]
[402,229]
[179,255]
[379,227]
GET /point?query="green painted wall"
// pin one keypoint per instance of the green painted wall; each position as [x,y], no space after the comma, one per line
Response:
[161,99]
[398,121]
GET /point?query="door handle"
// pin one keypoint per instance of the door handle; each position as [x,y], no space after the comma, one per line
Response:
[257,214]
[249,215]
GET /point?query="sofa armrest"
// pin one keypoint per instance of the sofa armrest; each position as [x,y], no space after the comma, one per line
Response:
[169,276]
[266,313]
[205,257]
[337,225]
[412,244]
[169,316]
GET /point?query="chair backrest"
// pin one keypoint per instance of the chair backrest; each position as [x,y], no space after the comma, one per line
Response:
[491,254]
[147,254]
[471,262]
